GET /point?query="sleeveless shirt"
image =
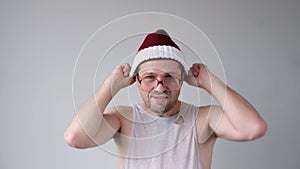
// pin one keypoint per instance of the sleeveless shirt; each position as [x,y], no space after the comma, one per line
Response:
[161,143]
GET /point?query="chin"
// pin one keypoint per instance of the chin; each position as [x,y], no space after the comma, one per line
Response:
[159,108]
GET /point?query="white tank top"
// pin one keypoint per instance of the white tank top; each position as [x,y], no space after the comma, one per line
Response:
[160,143]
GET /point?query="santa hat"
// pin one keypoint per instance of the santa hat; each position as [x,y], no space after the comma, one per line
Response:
[158,45]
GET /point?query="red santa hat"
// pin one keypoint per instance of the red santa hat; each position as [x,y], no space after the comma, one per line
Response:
[158,45]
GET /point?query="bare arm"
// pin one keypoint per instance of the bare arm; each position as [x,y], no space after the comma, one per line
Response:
[239,120]
[93,126]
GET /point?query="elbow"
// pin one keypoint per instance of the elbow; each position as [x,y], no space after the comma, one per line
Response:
[78,140]
[262,128]
[257,130]
[71,140]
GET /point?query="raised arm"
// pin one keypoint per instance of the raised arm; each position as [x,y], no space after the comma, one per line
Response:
[91,126]
[239,121]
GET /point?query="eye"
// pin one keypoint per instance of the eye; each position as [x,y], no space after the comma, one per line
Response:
[168,76]
[149,77]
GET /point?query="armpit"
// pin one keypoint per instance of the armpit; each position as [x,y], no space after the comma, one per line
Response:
[207,121]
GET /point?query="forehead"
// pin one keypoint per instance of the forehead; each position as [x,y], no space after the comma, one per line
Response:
[160,66]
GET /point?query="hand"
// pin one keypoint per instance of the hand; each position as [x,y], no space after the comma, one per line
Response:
[198,76]
[120,77]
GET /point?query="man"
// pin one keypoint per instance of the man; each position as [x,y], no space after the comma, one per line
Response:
[163,132]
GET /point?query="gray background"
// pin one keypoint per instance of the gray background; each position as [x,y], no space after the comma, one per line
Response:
[258,42]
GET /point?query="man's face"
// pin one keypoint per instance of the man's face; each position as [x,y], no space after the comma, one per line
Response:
[159,82]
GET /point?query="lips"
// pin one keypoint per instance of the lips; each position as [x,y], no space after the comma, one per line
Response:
[161,96]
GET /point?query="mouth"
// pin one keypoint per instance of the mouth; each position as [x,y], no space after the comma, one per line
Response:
[159,98]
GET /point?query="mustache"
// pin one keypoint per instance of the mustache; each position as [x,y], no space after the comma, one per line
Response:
[160,94]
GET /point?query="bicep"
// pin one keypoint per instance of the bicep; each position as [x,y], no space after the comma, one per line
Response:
[110,125]
[77,137]
[212,119]
[222,126]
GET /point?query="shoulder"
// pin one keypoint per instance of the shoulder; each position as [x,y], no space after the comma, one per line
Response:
[119,111]
[209,111]
[123,113]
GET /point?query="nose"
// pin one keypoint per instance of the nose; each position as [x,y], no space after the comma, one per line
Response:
[160,87]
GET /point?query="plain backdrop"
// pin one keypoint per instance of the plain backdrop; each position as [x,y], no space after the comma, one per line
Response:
[258,42]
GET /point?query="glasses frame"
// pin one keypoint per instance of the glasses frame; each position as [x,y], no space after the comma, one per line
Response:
[160,82]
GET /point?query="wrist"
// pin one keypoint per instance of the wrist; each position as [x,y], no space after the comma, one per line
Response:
[111,84]
[212,83]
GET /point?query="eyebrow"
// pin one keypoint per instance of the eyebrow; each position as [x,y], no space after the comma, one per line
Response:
[164,74]
[138,69]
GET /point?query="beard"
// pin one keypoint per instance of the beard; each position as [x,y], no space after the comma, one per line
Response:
[160,102]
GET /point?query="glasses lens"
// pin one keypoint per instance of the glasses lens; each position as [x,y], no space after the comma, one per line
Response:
[148,83]
[172,83]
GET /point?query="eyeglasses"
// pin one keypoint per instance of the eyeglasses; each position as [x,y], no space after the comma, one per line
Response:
[149,82]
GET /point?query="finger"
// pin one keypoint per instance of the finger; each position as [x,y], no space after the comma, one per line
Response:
[204,67]
[194,71]
[190,72]
[197,67]
[126,69]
